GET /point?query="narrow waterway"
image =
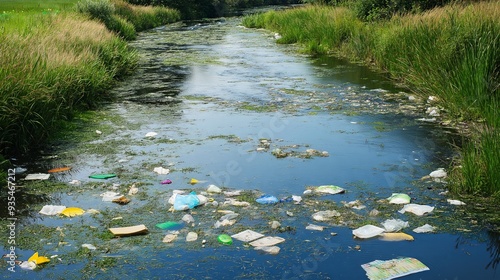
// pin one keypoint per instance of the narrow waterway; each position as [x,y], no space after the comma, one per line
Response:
[230,107]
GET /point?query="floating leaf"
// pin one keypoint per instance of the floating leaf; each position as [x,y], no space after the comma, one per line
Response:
[72,211]
[38,259]
[121,200]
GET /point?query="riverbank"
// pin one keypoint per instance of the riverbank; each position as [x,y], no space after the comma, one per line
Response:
[49,70]
[450,53]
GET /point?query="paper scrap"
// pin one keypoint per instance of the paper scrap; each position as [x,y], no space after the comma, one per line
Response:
[379,270]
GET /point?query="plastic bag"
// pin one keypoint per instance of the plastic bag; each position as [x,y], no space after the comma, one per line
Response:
[394,225]
[267,199]
[184,202]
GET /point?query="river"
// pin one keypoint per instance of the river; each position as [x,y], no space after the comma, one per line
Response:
[230,107]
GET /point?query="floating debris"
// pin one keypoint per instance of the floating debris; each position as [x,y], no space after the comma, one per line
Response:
[396,236]
[425,228]
[37,176]
[416,209]
[328,189]
[455,202]
[121,200]
[52,210]
[72,211]
[325,215]
[399,198]
[191,236]
[247,235]
[59,169]
[225,239]
[379,270]
[315,227]
[166,182]
[267,241]
[102,176]
[162,171]
[439,173]
[272,250]
[393,225]
[367,231]
[151,134]
[132,230]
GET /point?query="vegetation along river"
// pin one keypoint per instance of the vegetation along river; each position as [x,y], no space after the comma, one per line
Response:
[227,106]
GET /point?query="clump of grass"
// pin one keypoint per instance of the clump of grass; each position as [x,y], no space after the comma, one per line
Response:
[126,19]
[451,52]
[49,69]
[145,17]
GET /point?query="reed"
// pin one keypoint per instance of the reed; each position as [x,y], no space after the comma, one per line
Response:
[452,52]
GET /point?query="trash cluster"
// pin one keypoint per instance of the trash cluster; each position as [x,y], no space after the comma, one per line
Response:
[227,228]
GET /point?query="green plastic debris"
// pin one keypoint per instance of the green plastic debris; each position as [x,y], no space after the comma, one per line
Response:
[225,239]
[102,176]
[399,198]
[169,225]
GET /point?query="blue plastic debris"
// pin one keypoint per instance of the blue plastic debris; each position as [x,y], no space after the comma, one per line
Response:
[267,199]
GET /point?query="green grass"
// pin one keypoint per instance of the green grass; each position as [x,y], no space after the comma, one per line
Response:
[36,5]
[451,52]
[49,69]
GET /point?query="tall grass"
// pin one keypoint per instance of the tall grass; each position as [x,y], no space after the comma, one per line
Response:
[451,52]
[49,68]
[126,19]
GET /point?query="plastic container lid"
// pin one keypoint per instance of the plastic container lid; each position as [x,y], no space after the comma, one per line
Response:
[225,239]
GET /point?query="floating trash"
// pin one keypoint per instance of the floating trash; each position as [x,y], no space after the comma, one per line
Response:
[325,215]
[425,228]
[267,241]
[89,246]
[132,230]
[247,235]
[133,190]
[191,236]
[121,200]
[393,225]
[213,189]
[185,202]
[267,199]
[151,134]
[193,181]
[160,170]
[315,227]
[166,182]
[38,259]
[377,270]
[328,189]
[272,250]
[169,238]
[399,198]
[59,169]
[37,176]
[72,211]
[52,210]
[416,209]
[367,231]
[225,239]
[439,173]
[110,196]
[102,176]
[455,202]
[396,236]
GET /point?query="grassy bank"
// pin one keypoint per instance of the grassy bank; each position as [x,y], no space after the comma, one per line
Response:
[450,52]
[54,63]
